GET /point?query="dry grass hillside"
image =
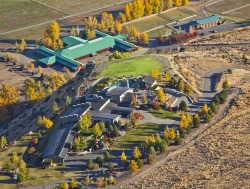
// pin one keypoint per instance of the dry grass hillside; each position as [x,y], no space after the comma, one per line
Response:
[239,35]
[219,158]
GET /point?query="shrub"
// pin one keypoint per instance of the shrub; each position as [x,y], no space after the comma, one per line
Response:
[178,140]
[138,116]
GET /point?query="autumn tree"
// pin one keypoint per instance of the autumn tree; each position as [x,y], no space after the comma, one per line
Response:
[136,153]
[150,140]
[68,100]
[84,123]
[169,4]
[7,56]
[155,73]
[108,21]
[196,120]
[101,25]
[205,109]
[156,6]
[73,31]
[73,183]
[39,70]
[134,32]
[133,121]
[151,155]
[133,167]
[185,2]
[178,3]
[55,107]
[225,84]
[188,90]
[8,98]
[21,47]
[31,65]
[144,38]
[167,76]
[183,122]
[63,186]
[67,74]
[118,27]
[180,85]
[169,133]
[96,130]
[123,156]
[52,37]
[45,122]
[126,30]
[148,10]
[121,18]
[144,98]
[99,181]
[87,181]
[161,96]
[127,12]
[3,142]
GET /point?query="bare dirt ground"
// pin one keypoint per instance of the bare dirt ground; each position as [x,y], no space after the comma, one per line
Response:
[239,35]
[218,158]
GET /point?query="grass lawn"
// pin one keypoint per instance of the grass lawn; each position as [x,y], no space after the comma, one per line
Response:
[135,137]
[17,14]
[176,14]
[149,23]
[161,31]
[163,114]
[131,67]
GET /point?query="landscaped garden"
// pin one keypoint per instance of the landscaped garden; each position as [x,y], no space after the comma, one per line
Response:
[132,67]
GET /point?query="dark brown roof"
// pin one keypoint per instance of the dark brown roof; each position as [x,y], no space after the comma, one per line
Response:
[149,79]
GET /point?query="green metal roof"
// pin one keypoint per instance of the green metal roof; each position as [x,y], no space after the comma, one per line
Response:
[120,36]
[206,20]
[48,60]
[77,47]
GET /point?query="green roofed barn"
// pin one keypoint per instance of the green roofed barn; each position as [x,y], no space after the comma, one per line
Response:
[206,22]
[77,48]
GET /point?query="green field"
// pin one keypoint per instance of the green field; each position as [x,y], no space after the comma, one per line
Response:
[163,114]
[131,67]
[149,23]
[135,137]
[17,14]
[176,14]
[161,31]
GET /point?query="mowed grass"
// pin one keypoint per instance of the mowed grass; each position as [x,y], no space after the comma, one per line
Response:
[226,5]
[163,114]
[161,31]
[176,14]
[18,14]
[135,137]
[37,176]
[131,67]
[77,6]
[149,23]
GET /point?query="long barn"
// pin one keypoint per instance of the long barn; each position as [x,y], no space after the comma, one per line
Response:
[77,48]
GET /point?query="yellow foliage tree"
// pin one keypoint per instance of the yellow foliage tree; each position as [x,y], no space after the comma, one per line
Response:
[123,156]
[184,122]
[40,70]
[178,3]
[121,18]
[96,130]
[148,8]
[185,2]
[73,183]
[118,27]
[161,96]
[45,122]
[169,133]
[151,140]
[144,38]
[101,25]
[137,153]
[205,109]
[31,65]
[181,86]
[167,76]
[133,167]
[155,73]
[127,12]
[134,32]
[3,141]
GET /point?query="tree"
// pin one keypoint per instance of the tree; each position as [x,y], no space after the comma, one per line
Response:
[136,153]
[45,122]
[167,76]
[3,142]
[63,186]
[133,167]
[180,85]
[205,109]
[133,121]
[121,18]
[185,2]
[151,155]
[207,118]
[7,56]
[68,100]
[127,12]
[183,106]
[196,120]
[55,107]
[144,98]
[178,3]
[183,122]
[39,70]
[73,31]
[169,133]
[31,65]
[156,6]
[163,146]
[225,84]
[96,130]
[67,73]
[111,167]
[99,160]
[87,181]
[123,156]
[101,25]
[144,38]
[173,82]
[155,73]
[188,90]
[134,32]
[73,183]
[150,141]
[90,164]
[213,107]
[99,181]
[178,140]
[14,158]
[112,180]
[148,8]
[161,96]
[84,123]
[118,27]
[107,156]
[169,4]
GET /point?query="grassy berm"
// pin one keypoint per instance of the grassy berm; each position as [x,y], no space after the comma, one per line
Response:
[218,158]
